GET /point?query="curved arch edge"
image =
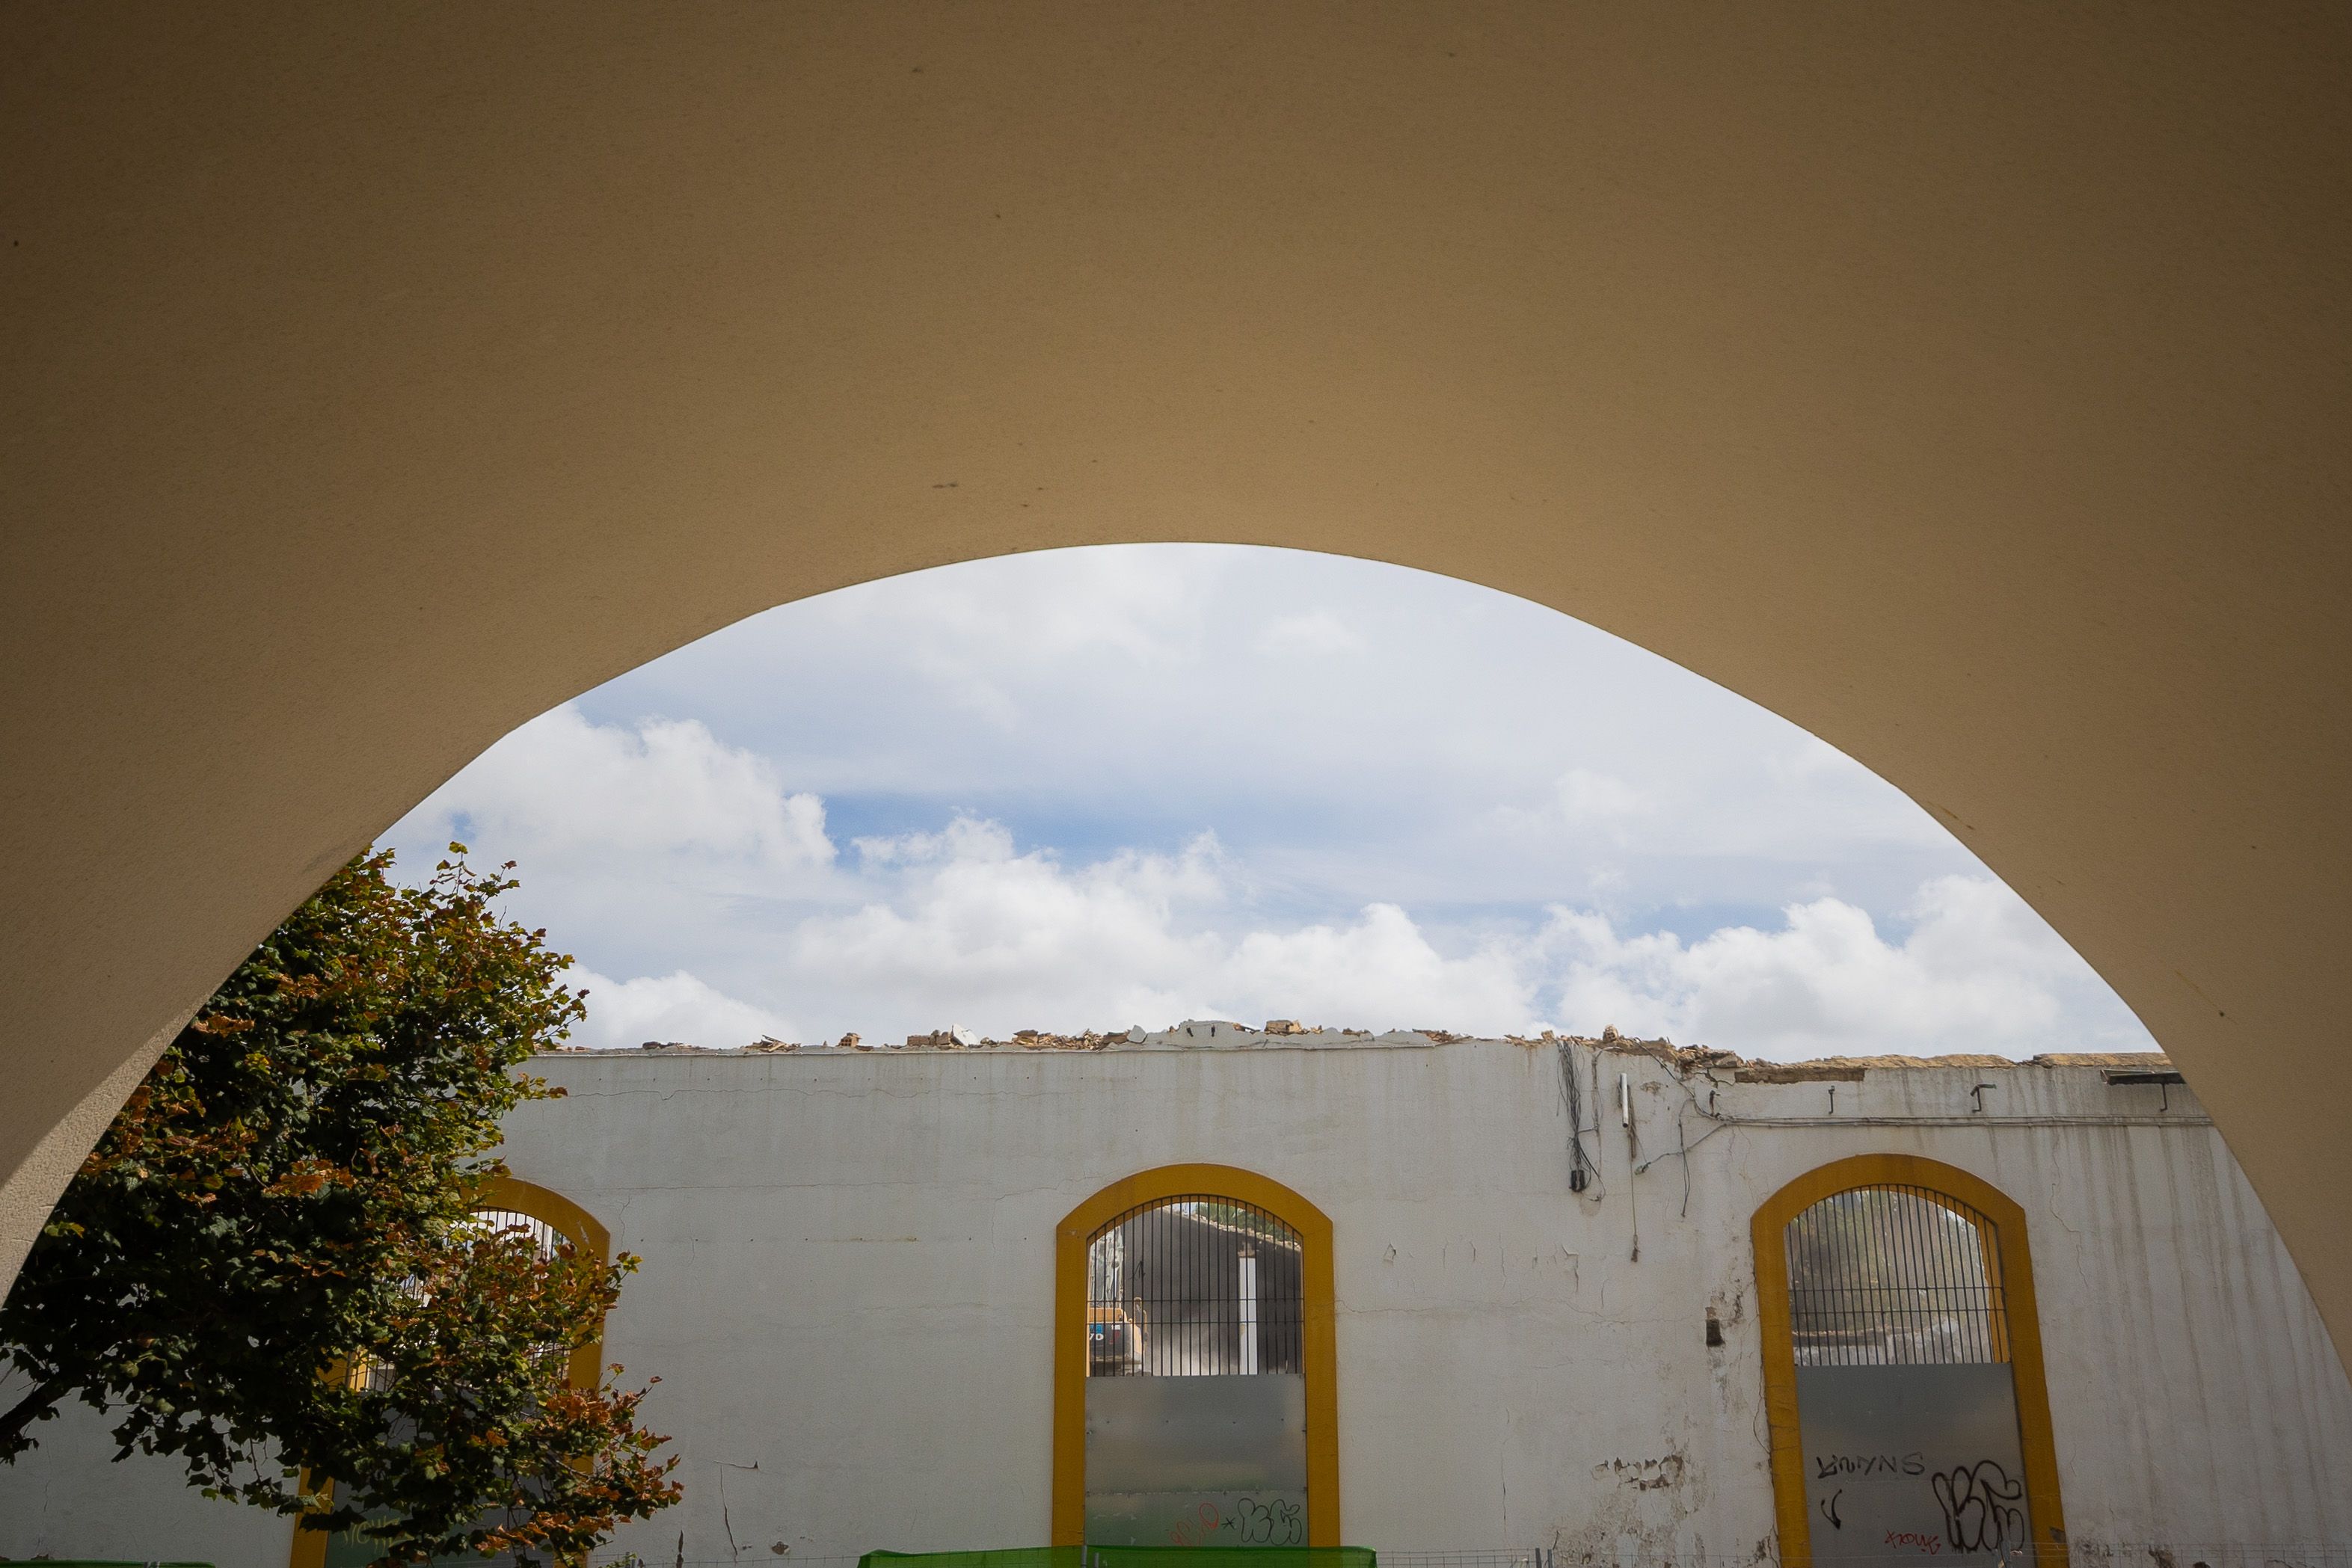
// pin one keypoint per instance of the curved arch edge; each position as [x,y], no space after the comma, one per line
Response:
[1319,1345]
[2015,1262]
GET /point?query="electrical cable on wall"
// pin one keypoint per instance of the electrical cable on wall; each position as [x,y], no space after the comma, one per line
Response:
[1681,1146]
[1722,1119]
[1633,1155]
[1583,1169]
[1585,1164]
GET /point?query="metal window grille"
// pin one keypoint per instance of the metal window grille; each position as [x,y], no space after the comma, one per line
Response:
[1895,1276]
[1196,1286]
[545,1236]
[373,1376]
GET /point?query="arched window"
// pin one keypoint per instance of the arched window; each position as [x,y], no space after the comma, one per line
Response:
[554,1221]
[554,1218]
[1193,1355]
[1902,1368]
[1194,1285]
[370,1373]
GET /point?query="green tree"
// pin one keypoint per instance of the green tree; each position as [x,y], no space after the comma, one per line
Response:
[271,1268]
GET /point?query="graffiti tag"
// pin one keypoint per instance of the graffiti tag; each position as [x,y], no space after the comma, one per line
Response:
[1194,1530]
[1828,1465]
[1275,1522]
[1983,1507]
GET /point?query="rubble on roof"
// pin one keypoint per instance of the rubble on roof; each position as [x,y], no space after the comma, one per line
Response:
[1685,1061]
[1688,1060]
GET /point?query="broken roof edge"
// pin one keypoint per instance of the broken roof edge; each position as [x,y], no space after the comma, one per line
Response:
[1686,1060]
[1283,1034]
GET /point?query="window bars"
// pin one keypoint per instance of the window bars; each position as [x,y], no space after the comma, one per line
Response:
[1895,1276]
[545,1237]
[367,1374]
[1524,1557]
[1197,1286]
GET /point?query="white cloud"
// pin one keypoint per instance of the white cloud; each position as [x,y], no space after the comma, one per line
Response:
[561,785]
[960,928]
[1038,609]
[1317,633]
[1979,972]
[977,934]
[1001,640]
[1149,691]
[966,838]
[1379,967]
[676,1007]
[1433,804]
[1589,797]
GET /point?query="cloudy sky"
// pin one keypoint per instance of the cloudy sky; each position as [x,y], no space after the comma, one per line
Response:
[1099,787]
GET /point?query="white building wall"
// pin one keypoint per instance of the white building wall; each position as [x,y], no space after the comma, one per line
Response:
[848,1279]
[68,1499]
[848,1285]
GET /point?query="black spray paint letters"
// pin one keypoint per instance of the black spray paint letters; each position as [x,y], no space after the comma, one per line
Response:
[1981,1504]
[1828,1465]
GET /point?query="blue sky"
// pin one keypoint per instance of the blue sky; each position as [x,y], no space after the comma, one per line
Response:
[1098,788]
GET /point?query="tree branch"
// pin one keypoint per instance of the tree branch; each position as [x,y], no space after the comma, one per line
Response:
[32,1407]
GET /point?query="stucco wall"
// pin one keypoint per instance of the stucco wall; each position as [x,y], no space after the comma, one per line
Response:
[66,1499]
[1966,384]
[848,1276]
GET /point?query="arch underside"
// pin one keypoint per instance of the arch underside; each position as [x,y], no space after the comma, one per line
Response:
[1966,386]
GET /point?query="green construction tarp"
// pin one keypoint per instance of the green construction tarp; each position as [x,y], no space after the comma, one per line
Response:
[1012,1557]
[1131,1557]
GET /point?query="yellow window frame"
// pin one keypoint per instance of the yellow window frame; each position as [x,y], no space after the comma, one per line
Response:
[2012,1262]
[589,1240]
[1318,1344]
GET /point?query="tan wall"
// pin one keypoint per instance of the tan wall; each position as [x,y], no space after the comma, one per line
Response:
[1965,383]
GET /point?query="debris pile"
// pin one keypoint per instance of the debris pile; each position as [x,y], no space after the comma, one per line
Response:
[1684,1060]
[1023,1039]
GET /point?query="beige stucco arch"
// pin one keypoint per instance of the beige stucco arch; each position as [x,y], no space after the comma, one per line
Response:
[1966,383]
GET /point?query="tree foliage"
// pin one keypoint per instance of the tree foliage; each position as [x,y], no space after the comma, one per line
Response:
[271,1266]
